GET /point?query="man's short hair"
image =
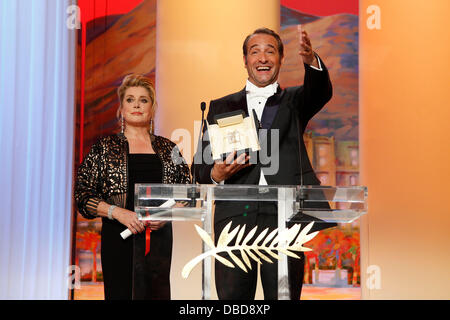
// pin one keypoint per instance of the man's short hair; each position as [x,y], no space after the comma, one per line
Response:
[264,31]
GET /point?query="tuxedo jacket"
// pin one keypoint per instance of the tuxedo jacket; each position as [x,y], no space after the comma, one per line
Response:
[287,112]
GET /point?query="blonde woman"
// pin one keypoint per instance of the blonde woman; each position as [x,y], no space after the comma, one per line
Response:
[105,188]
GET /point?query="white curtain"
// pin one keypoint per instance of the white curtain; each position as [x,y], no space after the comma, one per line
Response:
[37,81]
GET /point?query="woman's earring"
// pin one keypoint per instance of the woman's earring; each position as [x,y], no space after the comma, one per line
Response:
[122,125]
[151,126]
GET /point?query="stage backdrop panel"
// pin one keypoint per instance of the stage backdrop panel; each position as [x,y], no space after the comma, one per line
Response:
[331,137]
[116,38]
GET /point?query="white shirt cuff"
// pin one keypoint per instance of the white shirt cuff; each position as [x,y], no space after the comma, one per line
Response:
[318,62]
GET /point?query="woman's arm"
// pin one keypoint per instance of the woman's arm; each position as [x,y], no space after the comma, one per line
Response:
[126,217]
[88,196]
[86,191]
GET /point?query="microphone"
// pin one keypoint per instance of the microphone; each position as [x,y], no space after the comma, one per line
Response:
[193,192]
[257,122]
[199,140]
[301,196]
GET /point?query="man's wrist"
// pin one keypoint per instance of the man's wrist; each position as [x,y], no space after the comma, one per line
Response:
[211,176]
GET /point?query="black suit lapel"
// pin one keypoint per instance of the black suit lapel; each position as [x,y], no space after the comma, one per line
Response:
[239,102]
[279,118]
[275,102]
[273,114]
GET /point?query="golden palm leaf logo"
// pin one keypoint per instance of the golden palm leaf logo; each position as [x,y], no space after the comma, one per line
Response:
[287,241]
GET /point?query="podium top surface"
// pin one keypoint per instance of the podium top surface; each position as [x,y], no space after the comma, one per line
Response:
[345,204]
[355,194]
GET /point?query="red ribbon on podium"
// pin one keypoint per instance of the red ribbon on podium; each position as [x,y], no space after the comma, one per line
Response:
[147,229]
[147,239]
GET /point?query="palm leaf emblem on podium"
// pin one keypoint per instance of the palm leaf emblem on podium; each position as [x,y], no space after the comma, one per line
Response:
[263,248]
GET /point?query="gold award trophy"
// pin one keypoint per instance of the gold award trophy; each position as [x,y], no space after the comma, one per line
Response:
[232,131]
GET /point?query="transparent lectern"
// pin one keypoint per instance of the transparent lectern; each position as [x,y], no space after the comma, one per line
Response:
[322,203]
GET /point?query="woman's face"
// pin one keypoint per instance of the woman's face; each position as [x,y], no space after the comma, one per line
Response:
[137,107]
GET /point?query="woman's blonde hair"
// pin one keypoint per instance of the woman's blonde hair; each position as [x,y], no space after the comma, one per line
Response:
[136,80]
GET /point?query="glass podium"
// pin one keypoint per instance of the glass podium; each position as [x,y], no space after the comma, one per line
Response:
[296,205]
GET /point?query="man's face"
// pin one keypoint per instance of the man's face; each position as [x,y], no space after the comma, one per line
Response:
[263,60]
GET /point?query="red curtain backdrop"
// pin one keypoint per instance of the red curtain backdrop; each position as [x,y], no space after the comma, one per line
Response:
[323,7]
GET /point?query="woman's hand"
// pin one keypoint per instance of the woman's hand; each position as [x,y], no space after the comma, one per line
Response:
[129,219]
[158,224]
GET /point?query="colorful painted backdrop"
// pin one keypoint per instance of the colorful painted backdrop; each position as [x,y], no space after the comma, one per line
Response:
[116,38]
[332,135]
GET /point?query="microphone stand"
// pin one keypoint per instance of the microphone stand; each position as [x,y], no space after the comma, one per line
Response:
[301,196]
[194,192]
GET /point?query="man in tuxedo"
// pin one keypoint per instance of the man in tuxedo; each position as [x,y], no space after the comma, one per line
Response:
[286,111]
